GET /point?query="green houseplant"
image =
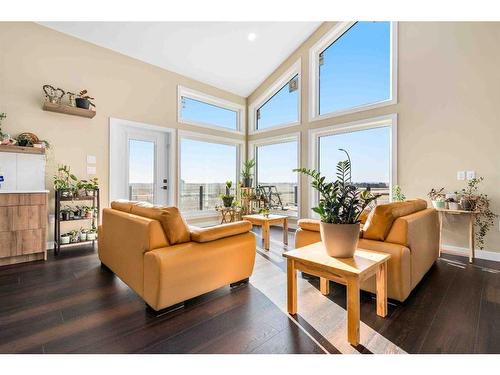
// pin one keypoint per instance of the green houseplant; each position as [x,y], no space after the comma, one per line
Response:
[65,181]
[91,234]
[340,206]
[227,199]
[87,187]
[247,173]
[397,194]
[437,198]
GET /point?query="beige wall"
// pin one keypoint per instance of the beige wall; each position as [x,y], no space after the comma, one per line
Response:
[448,111]
[33,55]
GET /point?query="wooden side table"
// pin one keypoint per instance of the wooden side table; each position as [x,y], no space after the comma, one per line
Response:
[472,218]
[314,260]
[266,222]
[228,214]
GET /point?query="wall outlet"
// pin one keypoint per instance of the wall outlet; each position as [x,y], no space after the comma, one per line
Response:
[461,175]
[91,170]
[471,175]
[91,159]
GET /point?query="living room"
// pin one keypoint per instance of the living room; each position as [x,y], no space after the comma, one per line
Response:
[297,186]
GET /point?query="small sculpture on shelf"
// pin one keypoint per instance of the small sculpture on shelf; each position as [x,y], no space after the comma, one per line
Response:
[52,94]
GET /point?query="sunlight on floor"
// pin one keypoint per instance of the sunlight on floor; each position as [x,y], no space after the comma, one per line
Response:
[322,314]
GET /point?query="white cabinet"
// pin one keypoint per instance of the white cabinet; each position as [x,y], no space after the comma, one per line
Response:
[22,171]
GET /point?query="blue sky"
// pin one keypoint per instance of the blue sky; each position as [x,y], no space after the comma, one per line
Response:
[356,71]
[141,167]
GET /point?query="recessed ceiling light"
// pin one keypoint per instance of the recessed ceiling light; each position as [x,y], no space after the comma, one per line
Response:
[252,36]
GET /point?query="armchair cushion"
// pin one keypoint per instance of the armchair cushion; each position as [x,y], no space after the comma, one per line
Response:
[170,218]
[309,224]
[380,220]
[219,231]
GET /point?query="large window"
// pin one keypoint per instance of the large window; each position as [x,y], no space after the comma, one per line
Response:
[196,108]
[282,108]
[279,105]
[353,68]
[275,177]
[205,167]
[371,146]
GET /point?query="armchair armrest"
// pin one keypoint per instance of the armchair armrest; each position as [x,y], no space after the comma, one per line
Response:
[219,231]
[309,224]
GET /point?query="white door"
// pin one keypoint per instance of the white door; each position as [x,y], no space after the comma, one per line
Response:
[139,163]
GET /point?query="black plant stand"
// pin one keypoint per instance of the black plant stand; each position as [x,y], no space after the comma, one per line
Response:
[63,196]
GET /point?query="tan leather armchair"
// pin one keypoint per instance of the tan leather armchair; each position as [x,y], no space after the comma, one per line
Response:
[166,262]
[409,231]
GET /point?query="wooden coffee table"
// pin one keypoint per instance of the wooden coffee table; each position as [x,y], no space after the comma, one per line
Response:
[266,222]
[314,260]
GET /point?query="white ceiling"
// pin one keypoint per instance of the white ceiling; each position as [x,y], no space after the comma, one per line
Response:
[217,53]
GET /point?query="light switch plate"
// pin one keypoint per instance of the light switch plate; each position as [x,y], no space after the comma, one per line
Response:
[461,175]
[471,175]
[91,170]
[91,159]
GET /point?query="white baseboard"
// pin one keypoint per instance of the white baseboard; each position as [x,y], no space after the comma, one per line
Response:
[463,251]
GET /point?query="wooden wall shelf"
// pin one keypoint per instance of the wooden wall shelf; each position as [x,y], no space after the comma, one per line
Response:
[68,110]
[22,150]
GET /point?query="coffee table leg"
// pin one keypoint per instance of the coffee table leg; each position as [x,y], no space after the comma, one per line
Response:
[382,289]
[265,235]
[291,287]
[353,311]
[285,231]
[324,286]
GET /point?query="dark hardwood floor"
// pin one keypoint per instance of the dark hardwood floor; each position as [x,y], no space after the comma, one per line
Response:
[69,304]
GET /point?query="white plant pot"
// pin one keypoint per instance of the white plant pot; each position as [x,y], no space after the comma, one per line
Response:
[64,240]
[453,206]
[83,236]
[91,236]
[340,240]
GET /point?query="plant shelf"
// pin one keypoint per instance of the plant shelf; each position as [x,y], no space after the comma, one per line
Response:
[22,149]
[68,110]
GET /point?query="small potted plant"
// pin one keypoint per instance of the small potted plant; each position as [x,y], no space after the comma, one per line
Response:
[397,194]
[437,198]
[469,194]
[452,203]
[64,239]
[77,212]
[247,173]
[84,100]
[264,211]
[91,234]
[87,212]
[65,181]
[340,206]
[227,199]
[83,234]
[74,236]
[87,188]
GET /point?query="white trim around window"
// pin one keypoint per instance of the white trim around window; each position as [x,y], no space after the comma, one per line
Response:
[371,123]
[241,150]
[294,70]
[336,32]
[291,137]
[213,100]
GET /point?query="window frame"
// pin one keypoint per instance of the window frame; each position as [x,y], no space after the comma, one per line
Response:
[329,38]
[240,151]
[240,109]
[290,137]
[390,120]
[292,71]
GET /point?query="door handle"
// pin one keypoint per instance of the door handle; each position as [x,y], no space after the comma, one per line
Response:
[164,187]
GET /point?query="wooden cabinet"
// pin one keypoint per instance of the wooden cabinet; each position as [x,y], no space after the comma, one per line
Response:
[23,227]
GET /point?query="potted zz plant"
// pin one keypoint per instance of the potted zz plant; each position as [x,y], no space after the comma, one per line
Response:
[437,198]
[227,199]
[340,206]
[246,173]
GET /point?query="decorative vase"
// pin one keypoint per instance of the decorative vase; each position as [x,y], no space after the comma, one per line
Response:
[82,103]
[340,240]
[228,201]
[438,204]
[247,182]
[467,204]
